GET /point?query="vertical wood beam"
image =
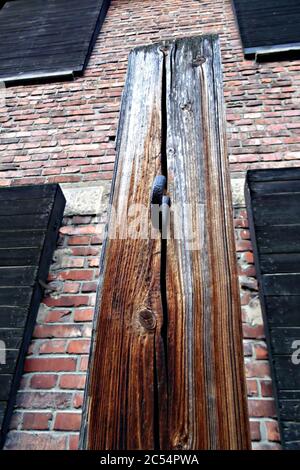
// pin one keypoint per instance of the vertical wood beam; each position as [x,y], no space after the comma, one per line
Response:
[167,360]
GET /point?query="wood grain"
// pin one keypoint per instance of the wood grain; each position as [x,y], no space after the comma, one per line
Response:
[167,361]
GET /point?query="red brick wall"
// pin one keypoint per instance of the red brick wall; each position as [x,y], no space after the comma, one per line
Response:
[64,132]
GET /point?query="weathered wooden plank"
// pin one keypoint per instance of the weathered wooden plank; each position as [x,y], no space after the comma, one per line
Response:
[281,284]
[26,207]
[10,364]
[11,337]
[167,369]
[124,398]
[24,222]
[270,239]
[206,370]
[283,310]
[21,239]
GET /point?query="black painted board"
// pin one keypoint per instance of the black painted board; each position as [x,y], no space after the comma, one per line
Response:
[272,198]
[5,387]
[276,209]
[282,310]
[276,174]
[12,317]
[268,23]
[44,37]
[24,263]
[21,239]
[285,341]
[275,187]
[281,284]
[278,239]
[280,263]
[17,276]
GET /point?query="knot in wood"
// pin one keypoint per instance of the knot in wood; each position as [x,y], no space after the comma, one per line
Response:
[199,60]
[147,319]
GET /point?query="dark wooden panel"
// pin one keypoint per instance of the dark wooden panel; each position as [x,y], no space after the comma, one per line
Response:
[273,198]
[280,263]
[276,174]
[40,206]
[282,310]
[21,239]
[287,373]
[24,222]
[28,234]
[11,362]
[275,187]
[268,23]
[282,340]
[281,284]
[24,256]
[292,432]
[270,239]
[2,411]
[290,410]
[12,317]
[48,36]
[17,276]
[5,386]
[12,337]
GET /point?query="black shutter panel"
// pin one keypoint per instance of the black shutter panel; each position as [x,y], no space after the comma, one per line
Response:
[273,203]
[44,38]
[268,26]
[30,217]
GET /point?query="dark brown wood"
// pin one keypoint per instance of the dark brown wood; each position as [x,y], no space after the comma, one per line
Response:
[167,361]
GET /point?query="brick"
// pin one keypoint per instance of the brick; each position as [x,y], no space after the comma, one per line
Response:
[79,347]
[43,381]
[266,388]
[72,381]
[272,431]
[44,400]
[74,442]
[37,421]
[252,388]
[257,369]
[255,430]
[50,364]
[77,275]
[67,421]
[83,315]
[35,441]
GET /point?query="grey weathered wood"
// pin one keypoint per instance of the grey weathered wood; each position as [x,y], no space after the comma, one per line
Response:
[172,375]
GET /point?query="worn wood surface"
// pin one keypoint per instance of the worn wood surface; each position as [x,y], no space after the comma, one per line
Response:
[27,241]
[275,237]
[167,361]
